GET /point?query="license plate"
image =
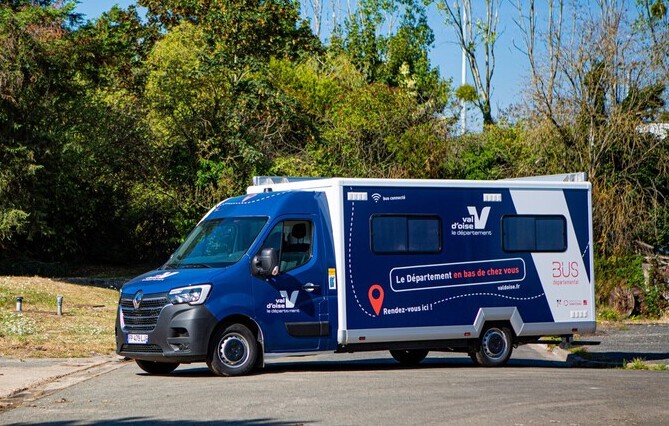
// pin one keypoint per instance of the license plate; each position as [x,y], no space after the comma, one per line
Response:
[138,339]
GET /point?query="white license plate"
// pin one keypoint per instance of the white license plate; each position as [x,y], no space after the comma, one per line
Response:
[139,339]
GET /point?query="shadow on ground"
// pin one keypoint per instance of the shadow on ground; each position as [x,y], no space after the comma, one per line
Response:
[157,422]
[614,359]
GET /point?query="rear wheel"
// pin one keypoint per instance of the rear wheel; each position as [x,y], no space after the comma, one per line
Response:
[409,356]
[234,351]
[153,367]
[495,347]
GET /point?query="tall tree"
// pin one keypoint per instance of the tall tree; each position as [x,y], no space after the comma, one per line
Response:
[72,144]
[215,115]
[360,128]
[249,29]
[654,20]
[389,42]
[35,97]
[112,49]
[597,87]
[472,34]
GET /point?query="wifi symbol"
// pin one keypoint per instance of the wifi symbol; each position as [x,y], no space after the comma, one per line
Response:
[376,197]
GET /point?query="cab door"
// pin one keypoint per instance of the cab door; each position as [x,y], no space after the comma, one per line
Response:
[291,304]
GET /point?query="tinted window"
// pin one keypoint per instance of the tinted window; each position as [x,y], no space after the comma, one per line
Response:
[534,233]
[406,234]
[292,240]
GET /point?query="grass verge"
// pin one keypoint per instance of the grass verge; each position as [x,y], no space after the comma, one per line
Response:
[641,364]
[86,327]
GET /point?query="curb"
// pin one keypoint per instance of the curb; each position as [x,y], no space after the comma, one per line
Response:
[575,360]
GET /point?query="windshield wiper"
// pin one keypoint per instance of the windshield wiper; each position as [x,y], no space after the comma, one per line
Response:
[192,265]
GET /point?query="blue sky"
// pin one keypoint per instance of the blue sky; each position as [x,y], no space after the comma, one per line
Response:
[510,68]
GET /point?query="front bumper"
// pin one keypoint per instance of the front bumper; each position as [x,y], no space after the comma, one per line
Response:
[181,334]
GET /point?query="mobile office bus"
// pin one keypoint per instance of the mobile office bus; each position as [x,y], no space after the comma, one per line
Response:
[346,265]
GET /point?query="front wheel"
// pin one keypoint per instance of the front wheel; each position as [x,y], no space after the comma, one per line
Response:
[495,347]
[409,356]
[234,351]
[153,367]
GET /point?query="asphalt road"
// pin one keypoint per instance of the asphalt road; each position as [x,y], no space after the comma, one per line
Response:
[536,388]
[622,342]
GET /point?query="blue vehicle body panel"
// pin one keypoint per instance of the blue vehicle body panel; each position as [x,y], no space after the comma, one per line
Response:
[411,301]
[446,292]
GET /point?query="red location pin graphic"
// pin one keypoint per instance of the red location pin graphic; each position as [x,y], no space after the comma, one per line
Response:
[376,300]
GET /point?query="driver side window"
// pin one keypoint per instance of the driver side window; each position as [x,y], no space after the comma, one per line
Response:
[292,240]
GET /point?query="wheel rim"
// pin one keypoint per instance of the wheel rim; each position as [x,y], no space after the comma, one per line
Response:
[494,344]
[233,350]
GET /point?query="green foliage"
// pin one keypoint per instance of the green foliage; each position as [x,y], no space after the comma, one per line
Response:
[70,136]
[658,10]
[372,128]
[654,301]
[626,268]
[467,93]
[112,49]
[118,134]
[240,32]
[36,107]
[499,152]
[214,109]
[606,313]
[358,128]
[396,57]
[641,364]
[655,291]
[316,83]
[615,271]
[12,221]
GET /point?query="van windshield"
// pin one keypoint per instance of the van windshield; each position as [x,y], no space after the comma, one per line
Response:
[217,243]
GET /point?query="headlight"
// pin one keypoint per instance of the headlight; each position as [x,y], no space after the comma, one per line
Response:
[194,295]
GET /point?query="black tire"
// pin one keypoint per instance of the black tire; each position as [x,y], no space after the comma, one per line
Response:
[409,356]
[153,367]
[495,347]
[233,351]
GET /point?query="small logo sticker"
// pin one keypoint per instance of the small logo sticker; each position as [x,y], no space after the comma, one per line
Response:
[474,224]
[332,278]
[160,277]
[284,304]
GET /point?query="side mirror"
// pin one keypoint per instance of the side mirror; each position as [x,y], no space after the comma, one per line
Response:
[265,264]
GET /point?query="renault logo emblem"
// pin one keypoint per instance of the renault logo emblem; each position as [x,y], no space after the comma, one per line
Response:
[137,299]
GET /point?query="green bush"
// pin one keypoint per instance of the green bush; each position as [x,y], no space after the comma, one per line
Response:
[605,313]
[654,303]
[614,271]
[501,151]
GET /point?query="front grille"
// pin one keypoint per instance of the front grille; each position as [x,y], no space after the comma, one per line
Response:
[147,349]
[144,318]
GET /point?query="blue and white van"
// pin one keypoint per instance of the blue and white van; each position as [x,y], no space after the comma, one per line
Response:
[346,265]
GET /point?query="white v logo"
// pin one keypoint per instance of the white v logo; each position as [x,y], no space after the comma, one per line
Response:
[290,301]
[479,221]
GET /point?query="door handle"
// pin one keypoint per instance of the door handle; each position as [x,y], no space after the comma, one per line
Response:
[309,287]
